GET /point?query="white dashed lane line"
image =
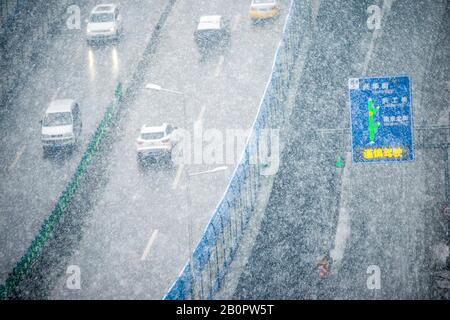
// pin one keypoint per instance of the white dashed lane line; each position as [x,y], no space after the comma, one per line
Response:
[236,20]
[17,157]
[387,5]
[149,245]
[219,67]
[177,179]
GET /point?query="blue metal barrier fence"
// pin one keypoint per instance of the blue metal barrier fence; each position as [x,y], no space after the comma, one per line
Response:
[202,275]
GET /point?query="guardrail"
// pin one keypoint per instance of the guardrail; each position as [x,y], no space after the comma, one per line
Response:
[202,275]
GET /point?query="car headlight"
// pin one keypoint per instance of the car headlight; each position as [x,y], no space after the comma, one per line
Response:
[111,29]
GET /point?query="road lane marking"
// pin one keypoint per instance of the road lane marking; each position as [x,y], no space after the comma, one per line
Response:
[219,66]
[343,226]
[17,157]
[178,176]
[149,245]
[55,95]
[201,114]
[236,20]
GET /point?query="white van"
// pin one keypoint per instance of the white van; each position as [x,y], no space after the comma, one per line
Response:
[61,125]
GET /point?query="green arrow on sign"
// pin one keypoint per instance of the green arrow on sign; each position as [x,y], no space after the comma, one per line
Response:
[373,127]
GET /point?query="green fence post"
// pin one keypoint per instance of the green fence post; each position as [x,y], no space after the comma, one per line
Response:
[118,92]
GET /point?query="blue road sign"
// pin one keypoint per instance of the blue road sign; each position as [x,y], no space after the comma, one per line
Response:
[381,119]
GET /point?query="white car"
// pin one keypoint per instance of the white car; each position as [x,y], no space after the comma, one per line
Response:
[155,142]
[105,23]
[61,124]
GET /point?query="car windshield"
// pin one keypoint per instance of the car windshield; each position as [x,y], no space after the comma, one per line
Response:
[102,17]
[57,119]
[152,135]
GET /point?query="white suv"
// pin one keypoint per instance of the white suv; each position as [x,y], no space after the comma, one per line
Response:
[155,142]
[105,23]
[61,125]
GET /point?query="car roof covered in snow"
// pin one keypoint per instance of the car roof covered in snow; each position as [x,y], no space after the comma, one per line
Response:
[61,105]
[151,129]
[209,22]
[264,2]
[104,8]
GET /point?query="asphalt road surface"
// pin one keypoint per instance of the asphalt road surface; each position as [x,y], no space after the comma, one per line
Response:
[30,183]
[382,215]
[136,239]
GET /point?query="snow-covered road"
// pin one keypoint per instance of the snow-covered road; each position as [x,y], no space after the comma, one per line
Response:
[135,240]
[390,213]
[31,184]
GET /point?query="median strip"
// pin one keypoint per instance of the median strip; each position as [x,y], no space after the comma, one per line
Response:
[106,126]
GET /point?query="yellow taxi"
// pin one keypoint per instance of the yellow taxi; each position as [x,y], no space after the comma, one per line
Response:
[264,9]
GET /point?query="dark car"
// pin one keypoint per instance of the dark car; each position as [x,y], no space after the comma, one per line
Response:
[212,32]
